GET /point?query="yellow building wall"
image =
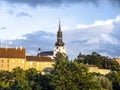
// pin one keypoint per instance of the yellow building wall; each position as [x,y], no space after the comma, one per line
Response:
[38,65]
[11,63]
[97,70]
[118,60]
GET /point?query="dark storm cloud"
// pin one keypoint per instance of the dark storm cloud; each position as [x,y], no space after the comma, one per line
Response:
[115,2]
[35,40]
[51,2]
[56,3]
[61,2]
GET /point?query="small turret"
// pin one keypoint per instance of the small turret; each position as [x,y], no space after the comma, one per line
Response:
[39,51]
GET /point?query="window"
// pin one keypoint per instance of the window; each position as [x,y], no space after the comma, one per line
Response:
[13,61]
[19,61]
[22,61]
[31,63]
[37,63]
[8,61]
[2,65]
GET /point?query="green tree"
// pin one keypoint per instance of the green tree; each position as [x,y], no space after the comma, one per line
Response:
[98,60]
[20,81]
[103,82]
[114,76]
[45,82]
[68,75]
[5,80]
[33,79]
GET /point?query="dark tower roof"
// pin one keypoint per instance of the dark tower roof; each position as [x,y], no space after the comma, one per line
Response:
[59,37]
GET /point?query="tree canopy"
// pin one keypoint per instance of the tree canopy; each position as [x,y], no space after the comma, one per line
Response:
[68,75]
[98,60]
[65,75]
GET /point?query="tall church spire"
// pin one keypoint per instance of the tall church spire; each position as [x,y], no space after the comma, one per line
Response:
[59,45]
[59,28]
[59,37]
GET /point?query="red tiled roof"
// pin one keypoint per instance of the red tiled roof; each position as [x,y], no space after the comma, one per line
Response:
[40,59]
[12,53]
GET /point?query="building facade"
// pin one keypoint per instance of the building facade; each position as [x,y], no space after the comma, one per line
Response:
[11,58]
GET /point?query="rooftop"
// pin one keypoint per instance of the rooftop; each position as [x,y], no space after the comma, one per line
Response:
[12,53]
[40,59]
[46,53]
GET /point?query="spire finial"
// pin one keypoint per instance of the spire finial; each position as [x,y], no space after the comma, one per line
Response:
[59,19]
[59,29]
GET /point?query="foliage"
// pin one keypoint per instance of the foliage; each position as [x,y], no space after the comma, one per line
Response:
[98,60]
[33,79]
[19,81]
[115,78]
[103,82]
[5,80]
[68,75]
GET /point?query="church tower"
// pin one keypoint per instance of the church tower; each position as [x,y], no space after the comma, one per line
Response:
[59,45]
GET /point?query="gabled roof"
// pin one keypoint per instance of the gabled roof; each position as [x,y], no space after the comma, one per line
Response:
[12,53]
[46,53]
[39,58]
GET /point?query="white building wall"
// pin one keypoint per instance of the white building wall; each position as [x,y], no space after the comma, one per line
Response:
[60,49]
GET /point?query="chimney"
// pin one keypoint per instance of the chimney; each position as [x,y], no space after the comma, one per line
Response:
[20,47]
[39,51]
[16,47]
[6,46]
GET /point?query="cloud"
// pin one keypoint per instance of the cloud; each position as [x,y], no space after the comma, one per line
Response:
[61,2]
[33,41]
[97,24]
[3,28]
[102,37]
[18,14]
[111,43]
[105,40]
[115,2]
[21,14]
[51,2]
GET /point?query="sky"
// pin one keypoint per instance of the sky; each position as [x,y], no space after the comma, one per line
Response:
[87,25]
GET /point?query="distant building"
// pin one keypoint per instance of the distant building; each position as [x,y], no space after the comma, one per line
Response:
[117,59]
[95,69]
[11,58]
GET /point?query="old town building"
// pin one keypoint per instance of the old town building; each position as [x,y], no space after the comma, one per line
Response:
[11,58]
